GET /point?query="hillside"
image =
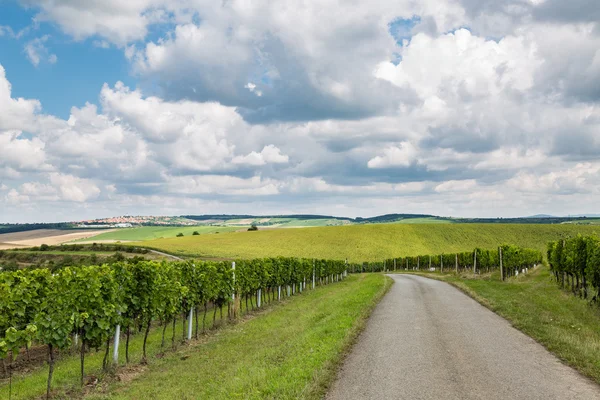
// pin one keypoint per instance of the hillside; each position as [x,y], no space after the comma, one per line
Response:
[367,242]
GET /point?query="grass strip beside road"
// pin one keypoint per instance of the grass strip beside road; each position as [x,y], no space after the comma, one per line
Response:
[566,325]
[289,351]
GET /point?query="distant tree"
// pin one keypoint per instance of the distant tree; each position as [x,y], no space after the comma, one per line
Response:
[44,247]
[180,234]
[253,227]
[195,233]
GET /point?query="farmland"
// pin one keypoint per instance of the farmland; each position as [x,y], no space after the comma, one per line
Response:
[44,236]
[367,242]
[156,232]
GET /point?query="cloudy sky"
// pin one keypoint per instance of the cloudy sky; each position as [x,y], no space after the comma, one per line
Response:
[351,108]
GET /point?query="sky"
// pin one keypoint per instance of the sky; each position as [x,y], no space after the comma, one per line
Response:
[466,108]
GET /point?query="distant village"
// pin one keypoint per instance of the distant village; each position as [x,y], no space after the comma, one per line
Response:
[127,221]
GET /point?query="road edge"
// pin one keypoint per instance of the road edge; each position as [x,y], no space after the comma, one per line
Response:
[321,388]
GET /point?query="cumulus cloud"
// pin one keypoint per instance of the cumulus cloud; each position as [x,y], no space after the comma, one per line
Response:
[401,156]
[117,21]
[269,155]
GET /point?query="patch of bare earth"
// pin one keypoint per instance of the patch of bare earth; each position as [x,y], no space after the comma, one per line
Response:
[45,236]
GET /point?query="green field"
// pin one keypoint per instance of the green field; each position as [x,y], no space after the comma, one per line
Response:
[367,242]
[565,324]
[430,220]
[156,232]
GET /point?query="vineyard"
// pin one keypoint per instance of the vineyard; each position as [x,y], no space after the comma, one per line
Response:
[94,307]
[92,304]
[575,263]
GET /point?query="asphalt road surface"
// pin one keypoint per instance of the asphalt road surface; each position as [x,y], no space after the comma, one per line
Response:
[428,340]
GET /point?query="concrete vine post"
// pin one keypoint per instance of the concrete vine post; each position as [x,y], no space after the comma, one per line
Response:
[475,262]
[235,300]
[190,323]
[430,262]
[116,344]
[501,268]
[456,258]
[314,273]
[441,263]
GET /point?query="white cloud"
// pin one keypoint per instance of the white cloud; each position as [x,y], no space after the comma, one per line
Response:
[456,186]
[117,21]
[72,188]
[269,155]
[460,65]
[398,156]
[252,87]
[37,52]
[22,154]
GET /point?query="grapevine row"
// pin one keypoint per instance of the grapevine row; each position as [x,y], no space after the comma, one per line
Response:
[575,262]
[510,259]
[92,303]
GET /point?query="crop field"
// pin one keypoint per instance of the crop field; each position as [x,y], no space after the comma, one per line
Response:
[368,242]
[38,237]
[156,232]
[426,220]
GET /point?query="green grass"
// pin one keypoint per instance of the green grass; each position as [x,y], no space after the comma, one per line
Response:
[367,242]
[566,325]
[155,232]
[288,350]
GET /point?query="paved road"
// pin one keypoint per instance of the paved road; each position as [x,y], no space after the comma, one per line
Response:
[427,340]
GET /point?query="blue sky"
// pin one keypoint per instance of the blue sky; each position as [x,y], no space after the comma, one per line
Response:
[448,107]
[77,76]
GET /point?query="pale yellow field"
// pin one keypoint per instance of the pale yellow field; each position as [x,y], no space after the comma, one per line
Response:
[44,236]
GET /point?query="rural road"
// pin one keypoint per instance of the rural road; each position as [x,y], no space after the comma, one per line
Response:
[160,253]
[428,340]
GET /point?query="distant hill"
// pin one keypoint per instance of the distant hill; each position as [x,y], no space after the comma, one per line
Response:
[227,217]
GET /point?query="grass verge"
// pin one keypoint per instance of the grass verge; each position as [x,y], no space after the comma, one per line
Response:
[291,351]
[566,325]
